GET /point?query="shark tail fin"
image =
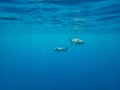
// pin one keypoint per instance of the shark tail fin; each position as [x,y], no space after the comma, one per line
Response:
[70,41]
[66,49]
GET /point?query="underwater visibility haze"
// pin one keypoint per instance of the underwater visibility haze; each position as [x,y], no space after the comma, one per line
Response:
[59,44]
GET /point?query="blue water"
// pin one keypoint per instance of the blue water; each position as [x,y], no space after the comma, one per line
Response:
[31,29]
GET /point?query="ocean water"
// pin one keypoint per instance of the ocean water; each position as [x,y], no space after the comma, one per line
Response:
[30,30]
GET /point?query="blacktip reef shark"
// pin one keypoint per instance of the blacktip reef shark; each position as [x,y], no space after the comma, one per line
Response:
[61,49]
[76,41]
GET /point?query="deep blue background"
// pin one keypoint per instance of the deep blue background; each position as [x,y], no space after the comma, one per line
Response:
[28,62]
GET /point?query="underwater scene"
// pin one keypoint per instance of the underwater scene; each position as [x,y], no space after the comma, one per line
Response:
[59,44]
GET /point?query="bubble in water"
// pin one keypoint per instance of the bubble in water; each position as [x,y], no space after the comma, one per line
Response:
[76,27]
[79,20]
